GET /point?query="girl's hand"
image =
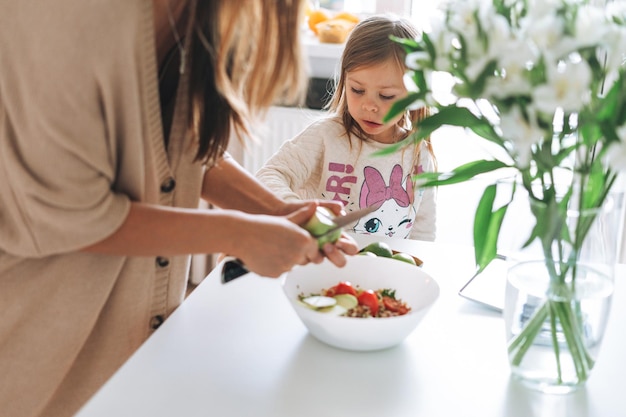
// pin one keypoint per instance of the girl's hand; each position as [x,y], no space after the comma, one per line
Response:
[335,252]
[291,206]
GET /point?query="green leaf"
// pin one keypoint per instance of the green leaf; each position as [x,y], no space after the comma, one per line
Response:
[594,189]
[487,225]
[429,46]
[478,86]
[590,133]
[400,106]
[410,43]
[608,105]
[415,137]
[446,116]
[550,219]
[460,174]
[462,117]
[419,78]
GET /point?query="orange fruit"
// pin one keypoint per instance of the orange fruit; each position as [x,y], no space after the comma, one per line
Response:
[317,16]
[348,16]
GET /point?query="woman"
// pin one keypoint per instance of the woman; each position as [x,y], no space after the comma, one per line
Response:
[114,117]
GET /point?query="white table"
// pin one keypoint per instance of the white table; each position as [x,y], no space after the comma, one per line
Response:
[239,350]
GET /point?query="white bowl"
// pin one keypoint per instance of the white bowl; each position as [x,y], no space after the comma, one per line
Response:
[413,286]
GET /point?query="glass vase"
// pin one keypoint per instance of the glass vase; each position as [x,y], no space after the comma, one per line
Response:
[556,309]
[555,332]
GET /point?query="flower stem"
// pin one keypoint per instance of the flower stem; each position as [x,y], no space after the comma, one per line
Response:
[558,312]
[555,341]
[519,345]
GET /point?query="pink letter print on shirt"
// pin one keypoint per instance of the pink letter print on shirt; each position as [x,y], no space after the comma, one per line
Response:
[337,183]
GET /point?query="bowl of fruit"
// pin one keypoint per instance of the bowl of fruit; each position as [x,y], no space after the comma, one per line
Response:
[372,303]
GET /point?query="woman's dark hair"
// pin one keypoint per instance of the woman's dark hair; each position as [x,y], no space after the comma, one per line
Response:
[245,56]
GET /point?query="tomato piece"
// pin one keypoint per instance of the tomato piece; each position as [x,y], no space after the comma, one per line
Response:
[394,305]
[369,299]
[345,287]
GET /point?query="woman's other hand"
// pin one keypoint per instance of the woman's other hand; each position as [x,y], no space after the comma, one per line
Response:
[346,245]
[335,252]
[272,245]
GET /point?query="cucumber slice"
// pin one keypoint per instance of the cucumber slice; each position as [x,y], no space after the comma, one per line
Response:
[346,301]
[317,302]
[335,310]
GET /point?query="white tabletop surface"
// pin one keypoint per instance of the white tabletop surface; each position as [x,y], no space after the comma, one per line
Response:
[240,350]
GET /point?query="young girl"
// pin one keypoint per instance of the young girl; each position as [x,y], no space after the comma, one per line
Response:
[332,158]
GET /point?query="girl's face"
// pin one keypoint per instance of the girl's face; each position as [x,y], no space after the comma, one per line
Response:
[370,92]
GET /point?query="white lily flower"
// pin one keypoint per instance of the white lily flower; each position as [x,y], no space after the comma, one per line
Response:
[522,134]
[513,64]
[464,19]
[540,8]
[546,32]
[417,60]
[616,10]
[476,66]
[429,99]
[591,27]
[442,63]
[616,153]
[567,88]
[442,85]
[436,23]
[409,84]
[500,37]
[538,104]
[463,22]
[442,41]
[615,50]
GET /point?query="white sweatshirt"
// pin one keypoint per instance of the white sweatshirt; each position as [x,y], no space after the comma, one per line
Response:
[322,163]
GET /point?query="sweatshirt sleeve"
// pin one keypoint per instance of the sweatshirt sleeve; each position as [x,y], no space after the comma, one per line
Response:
[296,163]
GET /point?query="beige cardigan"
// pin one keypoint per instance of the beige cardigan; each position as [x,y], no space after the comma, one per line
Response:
[80,137]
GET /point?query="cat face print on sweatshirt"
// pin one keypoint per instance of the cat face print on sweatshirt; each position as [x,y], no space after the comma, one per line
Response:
[395,213]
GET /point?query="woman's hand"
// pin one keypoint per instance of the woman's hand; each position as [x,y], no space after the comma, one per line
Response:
[335,252]
[272,245]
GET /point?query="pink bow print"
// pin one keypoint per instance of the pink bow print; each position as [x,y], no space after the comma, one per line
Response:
[379,192]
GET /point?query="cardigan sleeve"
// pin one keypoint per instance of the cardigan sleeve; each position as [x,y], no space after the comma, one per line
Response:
[59,151]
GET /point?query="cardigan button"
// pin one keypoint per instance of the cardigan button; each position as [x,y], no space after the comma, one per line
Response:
[168,185]
[162,262]
[156,322]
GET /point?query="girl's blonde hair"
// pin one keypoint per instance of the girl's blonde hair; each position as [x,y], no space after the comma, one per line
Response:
[369,44]
[245,56]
